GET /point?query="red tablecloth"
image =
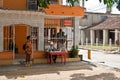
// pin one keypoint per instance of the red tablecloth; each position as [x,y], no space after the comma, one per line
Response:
[58,53]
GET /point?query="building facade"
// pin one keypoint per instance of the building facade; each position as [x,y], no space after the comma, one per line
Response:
[20,18]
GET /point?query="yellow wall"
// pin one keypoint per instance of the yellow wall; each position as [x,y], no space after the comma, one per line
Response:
[6,55]
[14,4]
[42,54]
[51,22]
[17,4]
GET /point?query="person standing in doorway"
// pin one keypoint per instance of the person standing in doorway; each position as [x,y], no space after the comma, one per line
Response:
[61,39]
[28,50]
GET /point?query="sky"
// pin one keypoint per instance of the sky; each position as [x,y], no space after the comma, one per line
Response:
[96,6]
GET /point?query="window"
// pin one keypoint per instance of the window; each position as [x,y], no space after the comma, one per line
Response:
[60,38]
[49,34]
[34,34]
[54,1]
[32,5]
[8,38]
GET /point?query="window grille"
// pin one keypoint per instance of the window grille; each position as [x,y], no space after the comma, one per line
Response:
[34,34]
[9,44]
[52,33]
[32,5]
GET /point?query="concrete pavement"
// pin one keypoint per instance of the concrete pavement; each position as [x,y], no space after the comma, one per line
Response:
[108,58]
[71,71]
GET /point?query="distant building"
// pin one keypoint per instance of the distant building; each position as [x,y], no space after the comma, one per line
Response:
[101,28]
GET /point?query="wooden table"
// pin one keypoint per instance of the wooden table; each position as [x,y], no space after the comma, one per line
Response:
[58,53]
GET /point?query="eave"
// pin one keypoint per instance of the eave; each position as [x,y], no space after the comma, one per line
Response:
[55,9]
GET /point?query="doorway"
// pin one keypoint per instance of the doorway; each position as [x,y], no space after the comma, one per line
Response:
[14,38]
[20,39]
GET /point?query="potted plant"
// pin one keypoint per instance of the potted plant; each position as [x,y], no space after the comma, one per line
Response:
[73,52]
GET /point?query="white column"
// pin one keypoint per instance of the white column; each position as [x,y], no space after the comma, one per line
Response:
[96,41]
[92,36]
[86,41]
[49,34]
[41,34]
[105,37]
[76,31]
[82,37]
[116,35]
[110,42]
[1,38]
[97,33]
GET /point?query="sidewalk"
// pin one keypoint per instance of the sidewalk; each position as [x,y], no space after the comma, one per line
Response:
[71,71]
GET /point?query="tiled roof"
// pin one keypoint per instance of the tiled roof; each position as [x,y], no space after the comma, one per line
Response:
[109,23]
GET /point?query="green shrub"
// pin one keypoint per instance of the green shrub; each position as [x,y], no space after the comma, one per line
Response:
[73,52]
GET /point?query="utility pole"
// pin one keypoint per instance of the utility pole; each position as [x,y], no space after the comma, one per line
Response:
[83,3]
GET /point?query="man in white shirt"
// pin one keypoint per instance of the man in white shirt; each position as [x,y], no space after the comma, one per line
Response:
[52,48]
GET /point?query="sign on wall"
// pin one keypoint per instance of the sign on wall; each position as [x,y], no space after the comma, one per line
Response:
[67,22]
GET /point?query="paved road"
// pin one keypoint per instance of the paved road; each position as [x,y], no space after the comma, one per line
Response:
[70,71]
[82,70]
[102,57]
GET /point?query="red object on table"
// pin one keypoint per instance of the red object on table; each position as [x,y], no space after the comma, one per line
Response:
[58,53]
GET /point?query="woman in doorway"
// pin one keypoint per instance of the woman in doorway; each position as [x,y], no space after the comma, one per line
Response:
[28,50]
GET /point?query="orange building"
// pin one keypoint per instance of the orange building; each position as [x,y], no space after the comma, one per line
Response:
[20,18]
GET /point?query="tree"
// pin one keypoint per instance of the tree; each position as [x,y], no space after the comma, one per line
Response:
[72,2]
[109,3]
[43,3]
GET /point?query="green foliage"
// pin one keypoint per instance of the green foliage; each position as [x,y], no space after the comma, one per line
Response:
[118,4]
[73,52]
[43,3]
[110,3]
[72,2]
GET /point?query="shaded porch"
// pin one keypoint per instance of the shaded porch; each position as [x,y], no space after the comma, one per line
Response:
[105,33]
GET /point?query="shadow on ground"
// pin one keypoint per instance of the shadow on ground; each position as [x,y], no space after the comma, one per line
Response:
[36,69]
[103,76]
